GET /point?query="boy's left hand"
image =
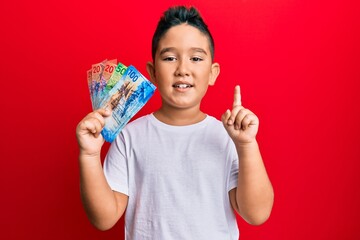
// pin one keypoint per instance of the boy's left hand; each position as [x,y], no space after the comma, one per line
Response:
[241,124]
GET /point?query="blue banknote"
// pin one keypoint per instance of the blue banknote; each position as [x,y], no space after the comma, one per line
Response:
[125,99]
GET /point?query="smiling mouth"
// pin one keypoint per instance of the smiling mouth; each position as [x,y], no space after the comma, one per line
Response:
[182,85]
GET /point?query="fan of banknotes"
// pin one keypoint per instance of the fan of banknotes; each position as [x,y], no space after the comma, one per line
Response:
[123,89]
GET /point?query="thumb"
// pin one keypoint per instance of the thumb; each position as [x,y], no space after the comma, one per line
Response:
[105,112]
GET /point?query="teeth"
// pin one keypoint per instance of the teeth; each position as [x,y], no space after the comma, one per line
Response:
[182,86]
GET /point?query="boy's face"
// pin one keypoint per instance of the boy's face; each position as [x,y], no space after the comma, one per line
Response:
[183,67]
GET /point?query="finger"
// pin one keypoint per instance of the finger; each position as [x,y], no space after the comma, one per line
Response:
[89,126]
[233,115]
[249,119]
[100,118]
[98,127]
[105,112]
[225,117]
[237,97]
[239,118]
[94,122]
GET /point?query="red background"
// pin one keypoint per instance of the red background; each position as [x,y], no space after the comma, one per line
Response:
[298,66]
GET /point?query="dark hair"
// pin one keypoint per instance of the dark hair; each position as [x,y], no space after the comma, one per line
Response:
[176,16]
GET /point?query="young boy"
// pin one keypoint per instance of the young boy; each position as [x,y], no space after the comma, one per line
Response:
[178,172]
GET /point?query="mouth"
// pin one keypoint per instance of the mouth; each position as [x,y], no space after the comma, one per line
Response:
[182,85]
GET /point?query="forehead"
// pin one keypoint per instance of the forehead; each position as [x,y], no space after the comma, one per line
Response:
[184,36]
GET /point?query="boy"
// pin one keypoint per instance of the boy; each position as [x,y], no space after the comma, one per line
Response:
[178,172]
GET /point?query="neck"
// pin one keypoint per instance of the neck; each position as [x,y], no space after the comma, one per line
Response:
[179,117]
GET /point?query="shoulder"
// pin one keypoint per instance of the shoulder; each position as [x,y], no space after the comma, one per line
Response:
[216,126]
[215,134]
[133,128]
[217,131]
[137,122]
[213,121]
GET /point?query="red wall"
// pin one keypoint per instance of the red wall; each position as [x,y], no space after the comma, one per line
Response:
[298,66]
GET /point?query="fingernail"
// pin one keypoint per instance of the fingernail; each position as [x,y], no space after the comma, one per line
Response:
[230,122]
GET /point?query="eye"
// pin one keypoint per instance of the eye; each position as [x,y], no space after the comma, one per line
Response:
[196,59]
[169,59]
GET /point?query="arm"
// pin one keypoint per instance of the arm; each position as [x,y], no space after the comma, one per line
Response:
[103,206]
[253,198]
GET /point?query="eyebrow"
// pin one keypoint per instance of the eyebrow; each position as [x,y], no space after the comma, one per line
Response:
[200,50]
[165,50]
[170,49]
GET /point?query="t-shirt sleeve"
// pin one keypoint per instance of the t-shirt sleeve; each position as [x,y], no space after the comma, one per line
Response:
[234,169]
[116,167]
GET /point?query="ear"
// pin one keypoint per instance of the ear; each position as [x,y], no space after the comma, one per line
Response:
[150,68]
[215,71]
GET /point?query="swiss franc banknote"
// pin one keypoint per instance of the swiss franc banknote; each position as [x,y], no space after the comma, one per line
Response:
[114,78]
[125,99]
[97,70]
[107,69]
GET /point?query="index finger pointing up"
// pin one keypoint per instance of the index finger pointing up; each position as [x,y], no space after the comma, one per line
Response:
[237,97]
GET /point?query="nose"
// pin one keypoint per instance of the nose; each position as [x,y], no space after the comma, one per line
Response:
[182,68]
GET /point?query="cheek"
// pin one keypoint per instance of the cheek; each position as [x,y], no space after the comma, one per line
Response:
[161,73]
[203,76]
[161,82]
[203,83]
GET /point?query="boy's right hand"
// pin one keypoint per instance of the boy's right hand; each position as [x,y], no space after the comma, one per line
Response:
[88,132]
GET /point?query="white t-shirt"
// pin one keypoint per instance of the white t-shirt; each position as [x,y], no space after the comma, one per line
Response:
[177,179]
